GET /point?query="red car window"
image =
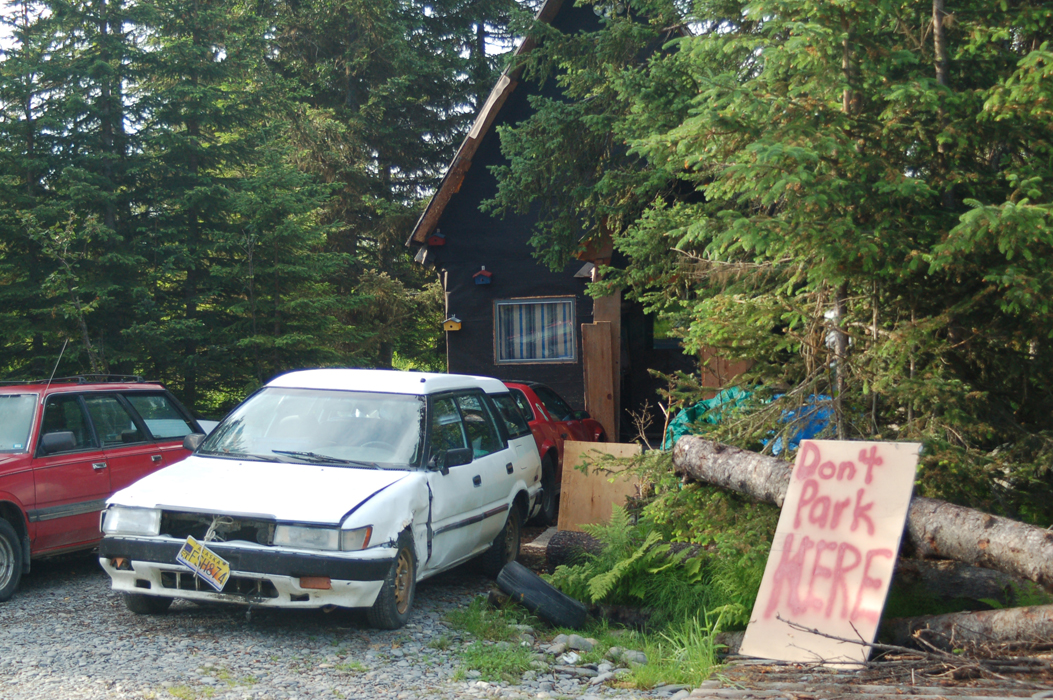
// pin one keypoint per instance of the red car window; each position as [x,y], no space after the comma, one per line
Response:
[62,413]
[162,418]
[524,404]
[556,406]
[112,421]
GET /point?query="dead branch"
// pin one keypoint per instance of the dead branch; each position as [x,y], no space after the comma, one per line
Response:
[956,665]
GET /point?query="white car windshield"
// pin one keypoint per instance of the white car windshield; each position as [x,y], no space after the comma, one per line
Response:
[317,426]
[16,417]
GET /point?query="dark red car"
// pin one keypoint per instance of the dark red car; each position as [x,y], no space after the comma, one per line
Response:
[68,445]
[552,421]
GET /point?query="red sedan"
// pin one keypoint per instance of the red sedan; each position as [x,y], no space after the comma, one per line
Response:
[552,421]
[65,447]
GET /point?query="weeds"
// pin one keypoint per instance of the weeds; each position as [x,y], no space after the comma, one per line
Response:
[497,661]
[495,625]
[441,643]
[185,692]
[351,667]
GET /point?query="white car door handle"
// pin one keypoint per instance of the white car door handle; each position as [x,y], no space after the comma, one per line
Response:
[98,466]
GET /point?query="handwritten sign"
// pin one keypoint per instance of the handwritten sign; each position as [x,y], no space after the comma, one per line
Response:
[834,551]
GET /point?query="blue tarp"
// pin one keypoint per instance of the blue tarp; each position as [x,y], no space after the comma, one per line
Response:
[708,411]
[805,422]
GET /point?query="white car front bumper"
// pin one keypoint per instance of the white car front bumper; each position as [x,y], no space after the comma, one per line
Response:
[265,577]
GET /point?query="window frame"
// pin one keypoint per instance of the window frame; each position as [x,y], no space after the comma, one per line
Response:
[78,399]
[571,301]
[514,406]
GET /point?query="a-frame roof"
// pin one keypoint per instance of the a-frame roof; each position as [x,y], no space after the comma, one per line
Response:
[462,161]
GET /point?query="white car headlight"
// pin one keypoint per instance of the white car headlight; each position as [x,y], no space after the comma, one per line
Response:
[117,520]
[354,540]
[322,538]
[306,537]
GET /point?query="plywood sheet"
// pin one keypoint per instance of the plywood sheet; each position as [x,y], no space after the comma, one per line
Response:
[589,498]
[597,364]
[834,549]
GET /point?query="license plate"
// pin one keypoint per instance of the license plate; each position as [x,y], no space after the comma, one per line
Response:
[211,567]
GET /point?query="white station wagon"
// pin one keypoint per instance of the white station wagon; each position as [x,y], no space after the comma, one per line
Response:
[330,487]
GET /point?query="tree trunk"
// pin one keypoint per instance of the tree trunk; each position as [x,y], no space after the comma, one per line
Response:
[935,529]
[957,630]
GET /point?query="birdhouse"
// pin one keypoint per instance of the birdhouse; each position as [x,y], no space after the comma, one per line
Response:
[483,276]
[451,324]
[437,238]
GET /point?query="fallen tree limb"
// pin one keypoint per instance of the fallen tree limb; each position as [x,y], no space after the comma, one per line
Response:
[935,529]
[986,628]
[952,660]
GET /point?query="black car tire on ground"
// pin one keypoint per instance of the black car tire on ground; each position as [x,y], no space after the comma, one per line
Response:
[549,512]
[540,597]
[10,560]
[506,545]
[392,608]
[146,604]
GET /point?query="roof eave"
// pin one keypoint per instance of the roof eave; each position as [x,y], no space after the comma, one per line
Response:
[462,160]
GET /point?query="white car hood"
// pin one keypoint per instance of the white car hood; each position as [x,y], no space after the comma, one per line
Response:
[304,493]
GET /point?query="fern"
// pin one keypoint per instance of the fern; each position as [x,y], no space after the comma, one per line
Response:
[602,584]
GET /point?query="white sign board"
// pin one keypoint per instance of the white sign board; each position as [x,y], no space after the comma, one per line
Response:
[834,551]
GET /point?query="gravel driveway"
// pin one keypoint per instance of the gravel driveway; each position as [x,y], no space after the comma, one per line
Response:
[66,636]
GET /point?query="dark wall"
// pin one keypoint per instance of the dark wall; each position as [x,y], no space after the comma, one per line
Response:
[474,240]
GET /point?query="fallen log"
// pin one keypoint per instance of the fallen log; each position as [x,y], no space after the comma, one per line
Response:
[568,547]
[986,628]
[935,529]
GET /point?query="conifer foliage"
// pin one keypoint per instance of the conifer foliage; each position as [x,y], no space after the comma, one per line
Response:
[211,193]
[853,197]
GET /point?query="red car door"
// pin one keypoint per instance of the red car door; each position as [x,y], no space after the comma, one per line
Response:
[546,432]
[71,483]
[130,453]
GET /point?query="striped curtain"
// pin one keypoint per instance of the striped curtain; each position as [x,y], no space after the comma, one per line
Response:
[535,331]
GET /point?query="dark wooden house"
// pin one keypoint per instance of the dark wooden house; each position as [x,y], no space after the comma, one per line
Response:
[514,318]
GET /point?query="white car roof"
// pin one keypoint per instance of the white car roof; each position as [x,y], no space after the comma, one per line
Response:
[385,381]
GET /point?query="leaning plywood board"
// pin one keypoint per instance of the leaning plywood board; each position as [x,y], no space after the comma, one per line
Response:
[588,498]
[831,561]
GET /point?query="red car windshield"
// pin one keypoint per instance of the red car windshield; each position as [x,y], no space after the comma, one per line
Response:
[16,418]
[556,406]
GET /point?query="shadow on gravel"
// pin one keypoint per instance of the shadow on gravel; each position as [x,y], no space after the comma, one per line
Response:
[58,571]
[80,576]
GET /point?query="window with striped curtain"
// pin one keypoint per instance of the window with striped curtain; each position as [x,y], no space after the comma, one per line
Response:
[535,330]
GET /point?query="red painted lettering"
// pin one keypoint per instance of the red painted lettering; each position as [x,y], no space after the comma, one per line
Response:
[839,507]
[820,511]
[819,571]
[789,571]
[860,513]
[808,460]
[871,460]
[827,470]
[838,585]
[849,467]
[868,582]
[808,493]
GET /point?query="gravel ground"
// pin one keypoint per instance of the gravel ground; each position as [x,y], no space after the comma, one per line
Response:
[66,636]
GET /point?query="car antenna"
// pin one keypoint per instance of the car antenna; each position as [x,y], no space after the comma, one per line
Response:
[55,369]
